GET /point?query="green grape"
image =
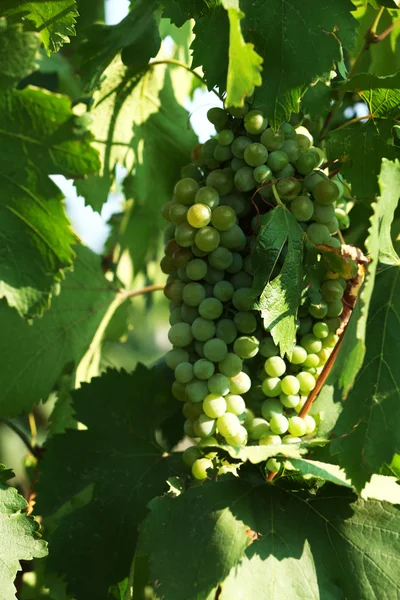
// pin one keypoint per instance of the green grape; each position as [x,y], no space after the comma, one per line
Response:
[311,361]
[311,343]
[273,465]
[255,154]
[319,155]
[298,355]
[185,234]
[333,324]
[225,137]
[334,243]
[288,189]
[218,384]
[326,192]
[323,213]
[237,202]
[243,299]
[237,163]
[271,139]
[179,391]
[277,160]
[211,308]
[207,149]
[220,258]
[226,330]
[268,347]
[318,311]
[228,424]
[185,190]
[237,263]
[241,280]
[231,365]
[215,350]
[239,145]
[318,233]
[222,153]
[290,385]
[207,239]
[196,391]
[244,179]
[169,232]
[192,411]
[204,426]
[214,405]
[196,269]
[310,424]
[198,347]
[235,404]
[176,356]
[192,171]
[213,276]
[302,208]
[306,163]
[292,149]
[183,276]
[180,335]
[199,215]
[167,265]
[333,225]
[287,171]
[324,355]
[279,424]
[270,440]
[343,219]
[223,218]
[208,441]
[335,308]
[248,418]
[166,210]
[331,340]
[259,428]
[233,239]
[190,455]
[275,366]
[271,407]
[182,257]
[240,383]
[254,122]
[291,439]
[223,290]
[193,294]
[307,382]
[297,426]
[246,346]
[184,372]
[189,313]
[188,428]
[321,330]
[178,213]
[288,131]
[303,400]
[271,386]
[218,117]
[245,322]
[239,439]
[311,180]
[331,290]
[262,174]
[207,195]
[220,180]
[203,329]
[303,141]
[203,369]
[289,400]
[174,290]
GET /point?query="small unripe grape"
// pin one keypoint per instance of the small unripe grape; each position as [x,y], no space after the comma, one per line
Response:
[246,346]
[254,122]
[275,366]
[289,401]
[179,391]
[271,407]
[277,160]
[245,322]
[196,269]
[310,424]
[180,335]
[279,424]
[326,192]
[214,405]
[323,213]
[241,280]
[270,440]
[271,386]
[190,455]
[318,311]
[331,290]
[203,329]
[185,190]
[268,347]
[199,215]
[255,154]
[211,308]
[231,365]
[196,390]
[311,180]
[233,239]
[228,424]
[218,117]
[312,360]
[335,308]
[207,239]
[226,331]
[237,263]
[273,465]
[185,234]
[321,330]
[311,343]
[288,131]
[239,145]
[302,208]
[240,383]
[215,350]
[318,233]
[306,162]
[177,213]
[291,439]
[184,372]
[259,428]
[223,218]
[271,139]
[235,404]
[330,341]
[290,385]
[193,294]
[238,439]
[223,290]
[297,426]
[243,299]
[189,313]
[200,468]
[188,428]
[298,355]
[207,195]
[306,381]
[166,210]
[204,426]
[218,384]
[222,153]
[225,137]
[244,179]
[176,356]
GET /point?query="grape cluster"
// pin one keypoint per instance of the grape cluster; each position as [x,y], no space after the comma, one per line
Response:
[235,387]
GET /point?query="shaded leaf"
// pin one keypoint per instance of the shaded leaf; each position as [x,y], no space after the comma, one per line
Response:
[316,102]
[17,53]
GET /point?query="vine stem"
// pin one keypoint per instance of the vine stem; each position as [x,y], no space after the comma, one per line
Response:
[276,195]
[271,475]
[355,120]
[177,63]
[34,450]
[146,290]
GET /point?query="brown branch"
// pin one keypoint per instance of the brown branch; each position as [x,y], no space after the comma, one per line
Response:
[146,290]
[271,475]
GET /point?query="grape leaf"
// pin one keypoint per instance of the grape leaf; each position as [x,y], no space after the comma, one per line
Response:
[180,11]
[317,100]
[248,540]
[53,19]
[17,53]
[39,136]
[36,354]
[19,536]
[361,146]
[280,297]
[119,457]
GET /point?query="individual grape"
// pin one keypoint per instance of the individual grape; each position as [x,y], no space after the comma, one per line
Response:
[228,424]
[319,155]
[287,171]
[215,350]
[306,163]
[333,323]
[169,232]
[326,192]
[318,233]
[189,313]
[246,346]
[203,329]
[304,326]
[231,365]
[288,188]
[203,369]
[220,258]
[220,180]
[271,139]
[255,154]
[290,385]
[310,424]
[185,234]
[214,405]
[321,330]
[208,441]
[292,149]
[212,277]
[254,122]
[185,190]
[233,239]
[245,322]
[199,215]
[223,290]
[207,195]
[183,276]
[237,202]
[237,163]
[275,366]
[188,428]
[273,465]
[343,219]
[240,383]
[298,355]
[289,400]
[288,131]
[262,174]
[223,218]
[180,335]
[222,153]
[323,355]
[207,239]
[335,308]
[307,382]
[323,213]
[196,269]
[291,439]
[235,404]
[259,428]
[303,400]
[311,361]
[167,265]
[270,440]
[241,280]
[198,348]
[218,384]
[225,137]
[239,439]
[239,145]
[177,213]
[311,180]
[243,299]
[176,356]
[334,243]
[204,426]
[193,171]
[333,225]
[271,407]
[331,290]
[302,208]
[297,426]
[279,424]
[311,343]
[271,386]
[184,372]
[318,311]
[193,294]
[237,263]
[303,141]
[196,391]
[192,411]
[244,179]
[179,391]
[190,455]
[182,257]
[226,330]
[207,150]
[268,347]
[218,117]
[166,210]
[277,160]
[211,308]
[331,340]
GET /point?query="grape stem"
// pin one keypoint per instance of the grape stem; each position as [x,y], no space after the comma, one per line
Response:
[36,451]
[276,195]
[271,475]
[177,63]
[146,290]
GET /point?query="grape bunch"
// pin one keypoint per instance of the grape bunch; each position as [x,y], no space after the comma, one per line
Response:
[234,386]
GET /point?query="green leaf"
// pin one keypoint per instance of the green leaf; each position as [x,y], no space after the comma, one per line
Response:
[119,457]
[17,53]
[259,454]
[281,297]
[36,239]
[37,353]
[316,102]
[361,146]
[211,47]
[249,540]
[54,19]
[180,11]
[19,536]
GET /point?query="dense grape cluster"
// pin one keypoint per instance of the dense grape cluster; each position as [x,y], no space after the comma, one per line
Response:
[235,387]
